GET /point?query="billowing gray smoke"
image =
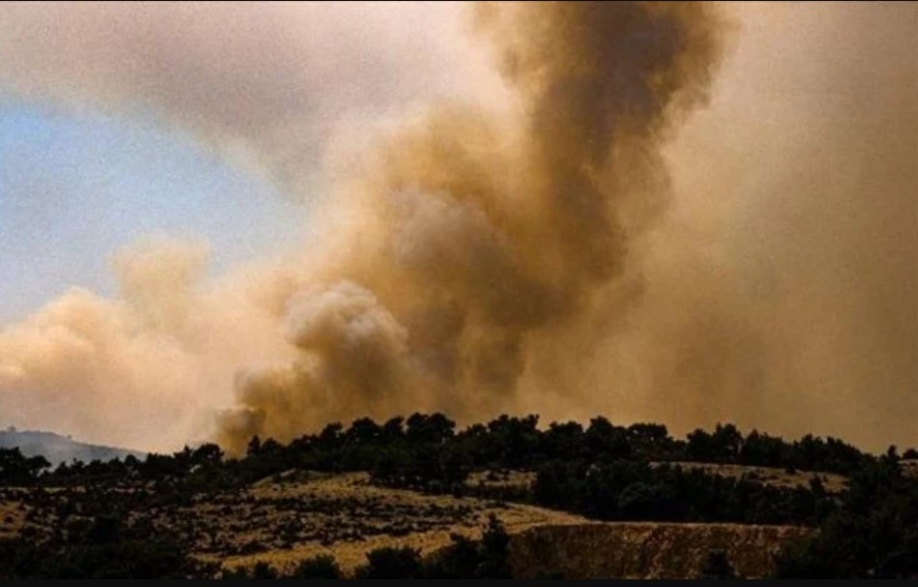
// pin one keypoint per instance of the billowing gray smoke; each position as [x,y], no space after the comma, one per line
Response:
[533,237]
[477,239]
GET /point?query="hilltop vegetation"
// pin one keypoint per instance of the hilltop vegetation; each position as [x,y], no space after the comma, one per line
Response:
[600,472]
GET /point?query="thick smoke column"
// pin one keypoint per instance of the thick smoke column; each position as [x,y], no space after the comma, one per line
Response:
[276,87]
[509,226]
[474,239]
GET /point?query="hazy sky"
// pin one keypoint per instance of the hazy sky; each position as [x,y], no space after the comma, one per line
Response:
[78,182]
[769,272]
[75,188]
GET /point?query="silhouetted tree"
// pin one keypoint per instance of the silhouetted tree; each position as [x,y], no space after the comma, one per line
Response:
[17,469]
[717,566]
[318,567]
[391,563]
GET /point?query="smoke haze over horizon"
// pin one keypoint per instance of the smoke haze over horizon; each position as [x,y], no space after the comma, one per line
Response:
[682,213]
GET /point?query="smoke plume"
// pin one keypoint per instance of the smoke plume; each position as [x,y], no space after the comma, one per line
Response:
[477,239]
[531,223]
[781,285]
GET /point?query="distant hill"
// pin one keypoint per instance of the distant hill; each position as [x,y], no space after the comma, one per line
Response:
[59,449]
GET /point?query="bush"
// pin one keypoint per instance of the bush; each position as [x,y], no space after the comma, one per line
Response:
[717,566]
[495,551]
[391,563]
[874,534]
[318,567]
[460,560]
[108,549]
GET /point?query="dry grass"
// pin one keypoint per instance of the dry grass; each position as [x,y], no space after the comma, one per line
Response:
[501,479]
[769,475]
[285,519]
[350,517]
[543,540]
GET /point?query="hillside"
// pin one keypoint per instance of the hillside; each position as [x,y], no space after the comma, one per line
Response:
[59,449]
[647,550]
[300,515]
[415,497]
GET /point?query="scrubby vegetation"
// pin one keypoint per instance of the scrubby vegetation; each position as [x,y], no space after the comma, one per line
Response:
[872,534]
[464,559]
[104,547]
[601,471]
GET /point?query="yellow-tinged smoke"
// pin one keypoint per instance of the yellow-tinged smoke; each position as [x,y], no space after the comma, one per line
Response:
[142,370]
[529,255]
[474,240]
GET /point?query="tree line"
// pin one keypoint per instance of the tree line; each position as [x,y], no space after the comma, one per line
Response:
[601,470]
[426,448]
